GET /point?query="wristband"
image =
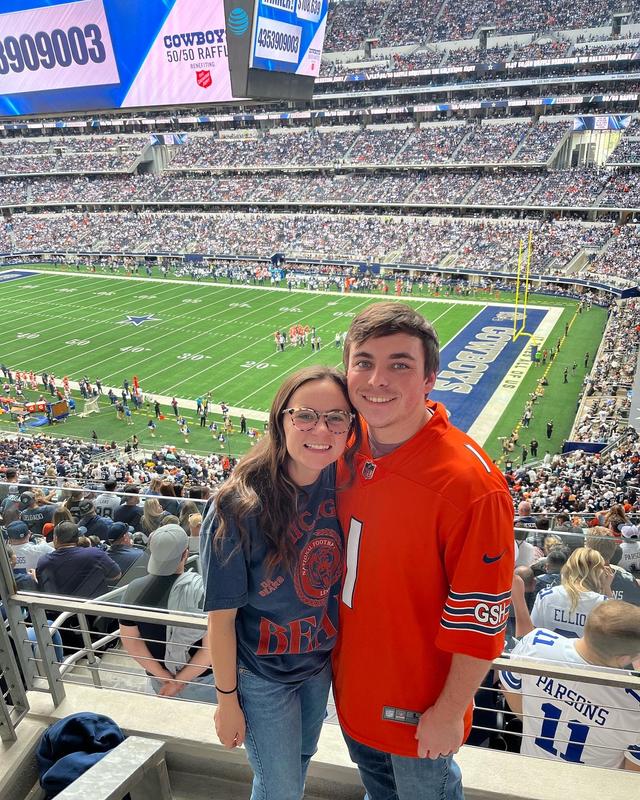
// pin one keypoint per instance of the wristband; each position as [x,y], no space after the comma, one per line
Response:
[222,691]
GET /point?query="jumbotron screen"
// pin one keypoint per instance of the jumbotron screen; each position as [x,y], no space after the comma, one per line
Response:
[288,36]
[78,55]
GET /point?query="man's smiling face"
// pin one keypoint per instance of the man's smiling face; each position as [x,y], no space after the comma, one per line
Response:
[387,385]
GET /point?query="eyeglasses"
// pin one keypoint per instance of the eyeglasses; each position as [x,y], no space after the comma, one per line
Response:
[305,419]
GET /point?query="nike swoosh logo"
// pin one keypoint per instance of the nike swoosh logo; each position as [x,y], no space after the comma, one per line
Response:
[491,559]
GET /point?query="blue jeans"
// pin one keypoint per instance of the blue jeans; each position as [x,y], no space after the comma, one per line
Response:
[283,727]
[55,638]
[389,777]
[199,689]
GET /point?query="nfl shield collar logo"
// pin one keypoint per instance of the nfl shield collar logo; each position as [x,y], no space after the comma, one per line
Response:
[368,469]
[203,78]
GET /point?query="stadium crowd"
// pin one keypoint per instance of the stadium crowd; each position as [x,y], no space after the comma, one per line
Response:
[427,57]
[97,153]
[483,245]
[399,144]
[405,22]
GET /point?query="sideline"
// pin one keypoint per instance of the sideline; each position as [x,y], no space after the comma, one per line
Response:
[404,297]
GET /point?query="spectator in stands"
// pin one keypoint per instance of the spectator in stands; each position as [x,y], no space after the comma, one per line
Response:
[61,514]
[121,548]
[187,509]
[272,675]
[195,525]
[130,512]
[74,570]
[176,659]
[585,582]
[27,552]
[623,586]
[527,554]
[615,519]
[89,519]
[153,516]
[25,582]
[35,510]
[524,519]
[608,737]
[107,503]
[169,502]
[630,547]
[554,562]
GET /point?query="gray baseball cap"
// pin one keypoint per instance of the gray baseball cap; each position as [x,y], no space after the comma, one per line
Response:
[166,545]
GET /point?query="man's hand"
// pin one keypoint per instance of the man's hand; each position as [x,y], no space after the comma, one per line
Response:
[439,735]
[171,688]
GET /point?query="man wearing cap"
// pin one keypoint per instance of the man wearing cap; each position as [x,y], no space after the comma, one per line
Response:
[27,552]
[630,546]
[74,570]
[121,548]
[89,519]
[35,514]
[176,659]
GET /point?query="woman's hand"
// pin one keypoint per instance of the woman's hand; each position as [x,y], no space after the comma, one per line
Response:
[229,721]
[607,580]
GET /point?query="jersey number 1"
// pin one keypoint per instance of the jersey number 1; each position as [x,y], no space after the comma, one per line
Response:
[353,554]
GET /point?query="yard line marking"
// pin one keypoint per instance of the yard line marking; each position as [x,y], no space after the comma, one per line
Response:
[250,346]
[279,377]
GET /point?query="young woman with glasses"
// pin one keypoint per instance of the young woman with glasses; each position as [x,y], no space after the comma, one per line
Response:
[272,554]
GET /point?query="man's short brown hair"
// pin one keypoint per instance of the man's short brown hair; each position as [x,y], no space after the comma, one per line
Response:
[387,318]
[613,629]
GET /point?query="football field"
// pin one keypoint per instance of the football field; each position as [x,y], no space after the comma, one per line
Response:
[185,339]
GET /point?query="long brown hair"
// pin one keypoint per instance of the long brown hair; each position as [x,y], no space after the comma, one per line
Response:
[259,485]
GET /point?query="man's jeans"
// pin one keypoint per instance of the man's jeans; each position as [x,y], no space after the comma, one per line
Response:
[283,727]
[389,777]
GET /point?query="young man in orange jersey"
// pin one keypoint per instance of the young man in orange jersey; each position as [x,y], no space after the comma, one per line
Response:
[430,554]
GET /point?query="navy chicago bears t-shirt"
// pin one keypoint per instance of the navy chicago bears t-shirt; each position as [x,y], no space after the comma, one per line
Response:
[287,621]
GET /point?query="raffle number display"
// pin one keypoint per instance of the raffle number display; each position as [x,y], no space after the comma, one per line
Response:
[277,40]
[56,47]
[46,50]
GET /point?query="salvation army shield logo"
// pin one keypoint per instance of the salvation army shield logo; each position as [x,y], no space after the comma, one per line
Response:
[203,78]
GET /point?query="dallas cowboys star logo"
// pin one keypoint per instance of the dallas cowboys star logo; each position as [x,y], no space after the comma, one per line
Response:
[140,319]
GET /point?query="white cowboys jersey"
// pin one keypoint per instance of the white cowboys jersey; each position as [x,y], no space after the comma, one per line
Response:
[582,723]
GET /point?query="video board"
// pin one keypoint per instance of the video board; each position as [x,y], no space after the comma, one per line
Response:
[79,55]
[288,36]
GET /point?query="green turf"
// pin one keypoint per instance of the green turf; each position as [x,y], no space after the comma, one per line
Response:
[205,337]
[559,402]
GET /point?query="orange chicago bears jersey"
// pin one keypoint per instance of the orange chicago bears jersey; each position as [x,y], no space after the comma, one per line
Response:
[430,557]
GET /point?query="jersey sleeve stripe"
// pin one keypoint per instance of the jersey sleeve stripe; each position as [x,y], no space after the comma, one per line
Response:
[460,610]
[472,449]
[488,630]
[477,596]
[511,680]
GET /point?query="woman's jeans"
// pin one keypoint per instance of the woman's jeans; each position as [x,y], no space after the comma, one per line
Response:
[283,727]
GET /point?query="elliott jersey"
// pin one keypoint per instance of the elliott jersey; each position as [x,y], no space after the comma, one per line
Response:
[582,723]
[429,565]
[552,609]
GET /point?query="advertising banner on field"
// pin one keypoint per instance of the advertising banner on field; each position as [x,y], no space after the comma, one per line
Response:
[288,36]
[73,55]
